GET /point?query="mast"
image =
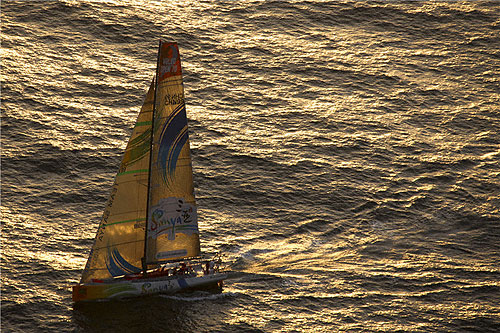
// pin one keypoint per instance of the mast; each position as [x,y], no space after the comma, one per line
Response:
[144,258]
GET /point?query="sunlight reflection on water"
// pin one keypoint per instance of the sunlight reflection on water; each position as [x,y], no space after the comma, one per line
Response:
[345,158]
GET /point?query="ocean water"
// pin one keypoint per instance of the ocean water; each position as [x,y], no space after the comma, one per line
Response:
[346,160]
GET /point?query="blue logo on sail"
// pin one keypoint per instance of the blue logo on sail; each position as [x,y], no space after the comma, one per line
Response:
[173,137]
[117,265]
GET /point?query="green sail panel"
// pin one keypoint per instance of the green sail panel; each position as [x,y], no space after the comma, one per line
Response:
[172,224]
[119,243]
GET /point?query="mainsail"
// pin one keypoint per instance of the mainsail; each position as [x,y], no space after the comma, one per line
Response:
[165,178]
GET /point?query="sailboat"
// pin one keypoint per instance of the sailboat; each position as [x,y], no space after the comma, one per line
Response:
[148,239]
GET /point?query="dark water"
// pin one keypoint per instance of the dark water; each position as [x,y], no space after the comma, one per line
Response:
[346,159]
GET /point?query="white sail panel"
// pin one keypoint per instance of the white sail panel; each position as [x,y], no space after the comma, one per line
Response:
[172,223]
[119,243]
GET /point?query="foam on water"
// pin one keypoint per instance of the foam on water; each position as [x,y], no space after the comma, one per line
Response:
[193,298]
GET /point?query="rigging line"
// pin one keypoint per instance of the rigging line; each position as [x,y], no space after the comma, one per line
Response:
[144,258]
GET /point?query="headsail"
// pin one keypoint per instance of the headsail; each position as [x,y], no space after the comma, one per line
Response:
[172,229]
[119,243]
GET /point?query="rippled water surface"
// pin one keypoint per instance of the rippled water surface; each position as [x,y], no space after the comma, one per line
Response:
[346,159]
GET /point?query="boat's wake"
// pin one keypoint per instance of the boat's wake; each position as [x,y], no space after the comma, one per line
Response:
[198,296]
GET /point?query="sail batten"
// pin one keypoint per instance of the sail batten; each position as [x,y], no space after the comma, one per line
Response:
[128,221]
[160,157]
